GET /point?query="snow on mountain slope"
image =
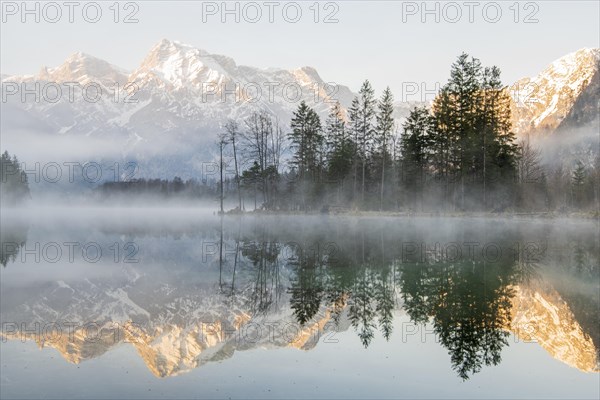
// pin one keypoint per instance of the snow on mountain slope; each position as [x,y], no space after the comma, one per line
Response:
[543,101]
[585,110]
[78,67]
[166,113]
[204,86]
[172,105]
[174,67]
[77,96]
[83,68]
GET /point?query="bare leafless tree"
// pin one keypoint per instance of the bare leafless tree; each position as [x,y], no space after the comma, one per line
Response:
[530,162]
[232,130]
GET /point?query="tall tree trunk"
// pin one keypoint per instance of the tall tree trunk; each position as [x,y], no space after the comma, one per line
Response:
[221,172]
[237,175]
[382,182]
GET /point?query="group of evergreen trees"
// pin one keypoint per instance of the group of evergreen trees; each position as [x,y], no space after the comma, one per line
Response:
[459,155]
[348,160]
[463,151]
[159,189]
[14,185]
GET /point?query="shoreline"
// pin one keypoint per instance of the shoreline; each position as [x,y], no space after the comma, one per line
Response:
[198,209]
[588,215]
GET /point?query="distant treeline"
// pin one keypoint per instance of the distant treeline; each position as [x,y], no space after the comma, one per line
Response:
[14,185]
[158,188]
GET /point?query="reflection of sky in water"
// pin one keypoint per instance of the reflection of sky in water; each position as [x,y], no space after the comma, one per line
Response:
[180,282]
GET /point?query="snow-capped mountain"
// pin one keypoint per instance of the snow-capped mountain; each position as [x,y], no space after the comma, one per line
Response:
[83,68]
[76,97]
[177,89]
[543,102]
[166,113]
[171,106]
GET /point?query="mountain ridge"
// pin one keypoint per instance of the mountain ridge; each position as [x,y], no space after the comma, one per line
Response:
[179,96]
[540,103]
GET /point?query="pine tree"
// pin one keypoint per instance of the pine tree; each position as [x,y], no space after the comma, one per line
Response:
[497,159]
[417,146]
[464,86]
[473,130]
[361,118]
[307,143]
[339,145]
[353,116]
[577,182]
[383,133]
[306,139]
[335,128]
[444,140]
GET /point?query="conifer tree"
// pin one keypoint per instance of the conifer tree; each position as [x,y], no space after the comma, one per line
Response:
[498,155]
[306,139]
[307,144]
[340,146]
[473,130]
[577,182]
[353,116]
[417,147]
[361,119]
[383,133]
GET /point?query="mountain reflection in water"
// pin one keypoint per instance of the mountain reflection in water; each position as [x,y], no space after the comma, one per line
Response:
[199,289]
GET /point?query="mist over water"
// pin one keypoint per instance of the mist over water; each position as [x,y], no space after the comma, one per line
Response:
[206,225]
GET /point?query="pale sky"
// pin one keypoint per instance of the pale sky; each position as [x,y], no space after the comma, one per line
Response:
[384,41]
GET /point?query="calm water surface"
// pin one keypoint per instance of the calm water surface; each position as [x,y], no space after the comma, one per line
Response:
[152,303]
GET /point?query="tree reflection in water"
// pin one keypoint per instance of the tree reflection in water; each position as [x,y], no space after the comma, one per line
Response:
[459,281]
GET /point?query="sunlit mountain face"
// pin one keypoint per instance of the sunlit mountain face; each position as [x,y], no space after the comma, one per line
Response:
[562,94]
[201,290]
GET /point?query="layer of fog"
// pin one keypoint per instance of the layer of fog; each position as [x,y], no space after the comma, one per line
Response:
[566,146]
